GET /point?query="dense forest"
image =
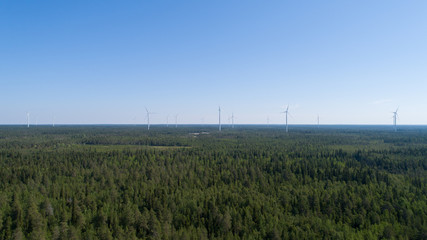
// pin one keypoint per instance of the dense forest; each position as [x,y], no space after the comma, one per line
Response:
[193,182]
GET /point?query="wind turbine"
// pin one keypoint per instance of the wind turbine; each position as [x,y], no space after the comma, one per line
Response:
[318,121]
[28,119]
[176,120]
[395,119]
[286,114]
[232,120]
[219,118]
[148,118]
[53,121]
[167,121]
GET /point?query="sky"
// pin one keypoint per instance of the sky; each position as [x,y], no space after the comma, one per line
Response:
[104,62]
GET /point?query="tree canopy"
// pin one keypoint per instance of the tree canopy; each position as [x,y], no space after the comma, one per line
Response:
[124,182]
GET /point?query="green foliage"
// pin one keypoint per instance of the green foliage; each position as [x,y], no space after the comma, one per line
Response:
[118,182]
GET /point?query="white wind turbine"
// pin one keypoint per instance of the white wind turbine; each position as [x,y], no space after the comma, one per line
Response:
[286,116]
[395,119]
[219,118]
[28,119]
[176,120]
[148,118]
[232,120]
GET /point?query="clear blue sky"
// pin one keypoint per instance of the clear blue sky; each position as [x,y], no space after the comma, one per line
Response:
[97,62]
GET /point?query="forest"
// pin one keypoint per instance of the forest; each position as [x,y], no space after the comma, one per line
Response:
[194,182]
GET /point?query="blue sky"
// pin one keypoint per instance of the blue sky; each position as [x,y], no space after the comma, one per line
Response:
[97,62]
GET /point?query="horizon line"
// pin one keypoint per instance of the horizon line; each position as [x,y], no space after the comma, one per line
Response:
[208,124]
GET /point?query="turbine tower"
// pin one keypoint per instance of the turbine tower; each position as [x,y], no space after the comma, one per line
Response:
[53,121]
[395,119]
[318,121]
[232,120]
[219,118]
[176,120]
[286,116]
[28,119]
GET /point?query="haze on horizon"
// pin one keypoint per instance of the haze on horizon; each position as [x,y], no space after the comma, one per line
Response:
[98,62]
